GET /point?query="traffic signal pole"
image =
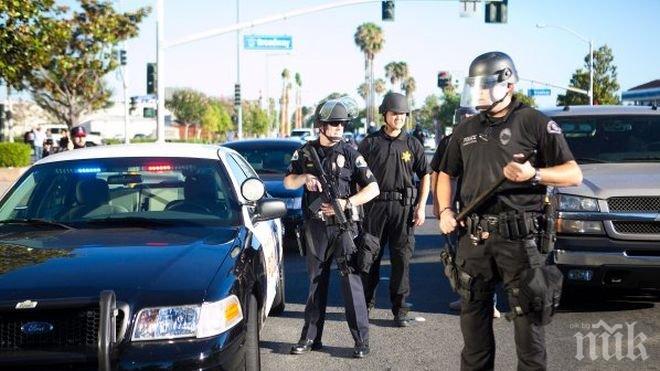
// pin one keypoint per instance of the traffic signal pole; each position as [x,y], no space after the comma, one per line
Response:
[224,30]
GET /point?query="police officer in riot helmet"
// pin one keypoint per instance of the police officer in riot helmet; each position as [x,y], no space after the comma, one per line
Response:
[395,158]
[497,242]
[324,236]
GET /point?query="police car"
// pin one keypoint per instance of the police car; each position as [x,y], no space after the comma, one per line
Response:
[139,256]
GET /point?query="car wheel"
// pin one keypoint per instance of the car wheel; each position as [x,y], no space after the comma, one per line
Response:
[252,353]
[278,303]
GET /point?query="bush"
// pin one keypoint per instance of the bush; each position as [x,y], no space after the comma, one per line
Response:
[15,154]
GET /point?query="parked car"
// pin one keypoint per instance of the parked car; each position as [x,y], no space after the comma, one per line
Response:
[150,256]
[608,229]
[54,132]
[270,158]
[303,134]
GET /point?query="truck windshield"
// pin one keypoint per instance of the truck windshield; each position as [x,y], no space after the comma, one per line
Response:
[600,139]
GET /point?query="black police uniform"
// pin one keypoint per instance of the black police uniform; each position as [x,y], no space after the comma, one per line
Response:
[388,217]
[477,152]
[347,169]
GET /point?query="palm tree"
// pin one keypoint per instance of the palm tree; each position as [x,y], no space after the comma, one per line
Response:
[369,38]
[379,86]
[396,72]
[284,102]
[298,123]
[363,91]
[409,86]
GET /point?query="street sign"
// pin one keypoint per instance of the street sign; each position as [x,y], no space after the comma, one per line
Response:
[267,42]
[538,92]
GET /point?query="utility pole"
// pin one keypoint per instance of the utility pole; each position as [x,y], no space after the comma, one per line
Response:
[160,62]
[238,107]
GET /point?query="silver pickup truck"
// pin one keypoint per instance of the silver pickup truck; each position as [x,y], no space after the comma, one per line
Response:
[608,228]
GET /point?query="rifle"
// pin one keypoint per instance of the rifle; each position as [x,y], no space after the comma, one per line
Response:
[331,195]
[469,209]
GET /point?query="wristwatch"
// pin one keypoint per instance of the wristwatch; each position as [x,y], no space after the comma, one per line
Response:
[536,179]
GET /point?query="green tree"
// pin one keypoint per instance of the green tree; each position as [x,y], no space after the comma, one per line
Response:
[428,114]
[369,38]
[605,81]
[70,82]
[524,98]
[216,120]
[30,31]
[255,121]
[450,102]
[189,106]
[363,91]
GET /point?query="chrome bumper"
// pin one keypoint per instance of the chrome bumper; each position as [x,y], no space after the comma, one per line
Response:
[596,259]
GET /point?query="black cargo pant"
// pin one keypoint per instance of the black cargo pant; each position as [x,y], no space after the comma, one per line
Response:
[391,223]
[320,255]
[495,260]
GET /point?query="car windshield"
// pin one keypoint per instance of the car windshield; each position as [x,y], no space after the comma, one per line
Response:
[600,139]
[107,192]
[268,160]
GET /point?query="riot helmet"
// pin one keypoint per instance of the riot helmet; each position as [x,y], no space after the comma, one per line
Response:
[341,110]
[488,81]
[394,102]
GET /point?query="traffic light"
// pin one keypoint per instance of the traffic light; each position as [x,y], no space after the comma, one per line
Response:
[496,11]
[133,105]
[237,94]
[387,8]
[151,78]
[122,57]
[444,79]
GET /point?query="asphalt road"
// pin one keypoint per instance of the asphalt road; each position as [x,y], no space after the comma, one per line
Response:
[435,343]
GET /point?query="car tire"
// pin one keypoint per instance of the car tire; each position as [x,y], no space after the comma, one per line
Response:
[279,302]
[252,352]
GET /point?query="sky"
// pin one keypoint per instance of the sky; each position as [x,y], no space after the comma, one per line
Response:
[429,35]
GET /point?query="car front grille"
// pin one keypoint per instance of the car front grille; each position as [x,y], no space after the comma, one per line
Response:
[637,227]
[637,203]
[72,328]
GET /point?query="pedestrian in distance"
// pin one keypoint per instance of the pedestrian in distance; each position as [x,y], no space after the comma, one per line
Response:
[330,225]
[395,158]
[497,242]
[39,139]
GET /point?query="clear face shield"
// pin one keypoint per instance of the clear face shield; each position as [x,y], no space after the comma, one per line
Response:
[482,92]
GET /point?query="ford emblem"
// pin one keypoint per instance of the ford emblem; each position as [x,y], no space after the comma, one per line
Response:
[36,328]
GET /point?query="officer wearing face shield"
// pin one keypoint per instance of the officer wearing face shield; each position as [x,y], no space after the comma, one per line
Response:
[497,242]
[395,158]
[325,234]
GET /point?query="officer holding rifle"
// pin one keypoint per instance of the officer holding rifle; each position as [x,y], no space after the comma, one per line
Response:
[336,180]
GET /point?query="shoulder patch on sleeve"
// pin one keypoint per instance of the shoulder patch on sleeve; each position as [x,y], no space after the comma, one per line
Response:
[553,127]
[295,156]
[360,162]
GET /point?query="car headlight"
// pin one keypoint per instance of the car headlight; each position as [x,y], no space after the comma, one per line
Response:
[294,203]
[200,321]
[576,203]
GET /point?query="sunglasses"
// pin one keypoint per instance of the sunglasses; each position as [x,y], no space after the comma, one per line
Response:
[336,123]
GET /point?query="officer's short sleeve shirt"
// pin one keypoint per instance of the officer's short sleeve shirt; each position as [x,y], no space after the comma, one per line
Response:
[479,149]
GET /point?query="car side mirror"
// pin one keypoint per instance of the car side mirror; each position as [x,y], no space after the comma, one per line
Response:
[268,209]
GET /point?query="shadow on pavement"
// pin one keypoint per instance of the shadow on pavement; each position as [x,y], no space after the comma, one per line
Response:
[284,348]
[578,302]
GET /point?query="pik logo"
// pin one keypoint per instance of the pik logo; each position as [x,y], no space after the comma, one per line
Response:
[612,341]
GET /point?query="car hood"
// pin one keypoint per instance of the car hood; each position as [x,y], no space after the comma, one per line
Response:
[174,263]
[275,187]
[621,179]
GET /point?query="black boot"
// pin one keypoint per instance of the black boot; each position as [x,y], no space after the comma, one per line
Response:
[403,320]
[305,346]
[361,350]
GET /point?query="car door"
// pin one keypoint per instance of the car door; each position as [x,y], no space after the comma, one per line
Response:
[268,233]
